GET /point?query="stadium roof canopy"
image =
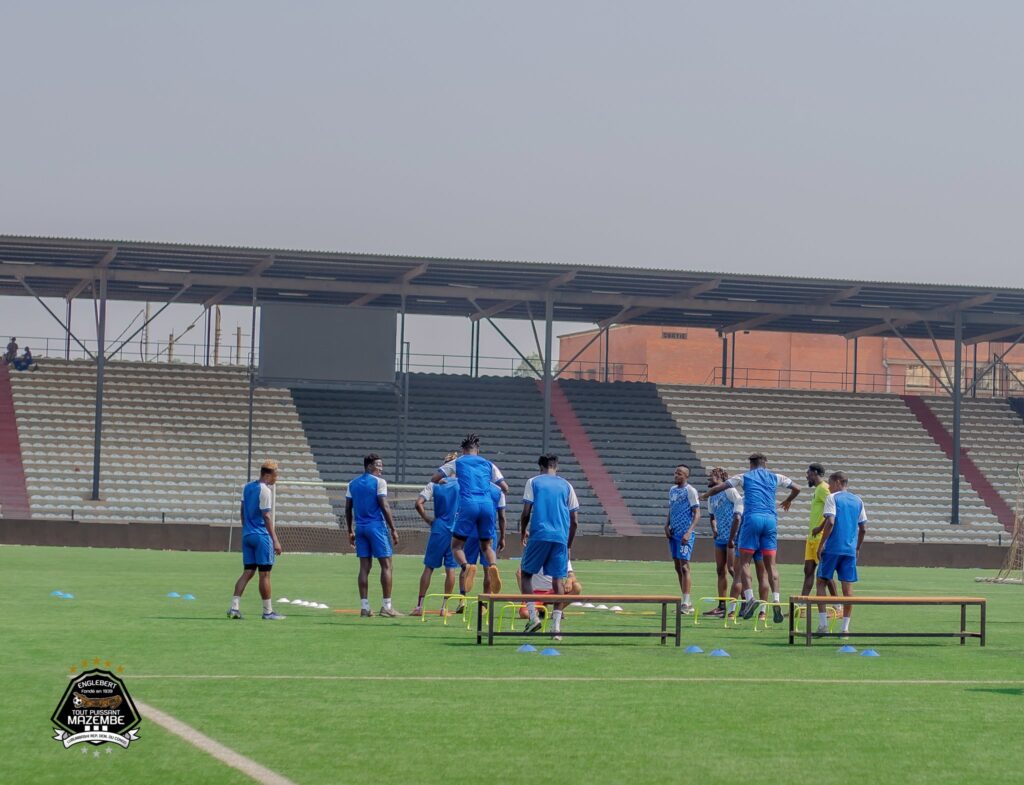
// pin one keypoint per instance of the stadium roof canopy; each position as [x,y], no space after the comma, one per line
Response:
[729,302]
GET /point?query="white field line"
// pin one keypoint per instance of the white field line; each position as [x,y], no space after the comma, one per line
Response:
[584,679]
[226,755]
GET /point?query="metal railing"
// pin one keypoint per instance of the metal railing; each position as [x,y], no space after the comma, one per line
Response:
[998,382]
[516,366]
[156,351]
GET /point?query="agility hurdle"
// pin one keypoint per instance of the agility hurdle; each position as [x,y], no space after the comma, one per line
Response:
[963,634]
[664,600]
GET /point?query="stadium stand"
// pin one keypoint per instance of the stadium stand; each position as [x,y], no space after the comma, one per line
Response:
[892,462]
[344,425]
[174,443]
[13,492]
[993,436]
[639,443]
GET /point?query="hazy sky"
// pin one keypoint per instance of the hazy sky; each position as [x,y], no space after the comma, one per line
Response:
[871,139]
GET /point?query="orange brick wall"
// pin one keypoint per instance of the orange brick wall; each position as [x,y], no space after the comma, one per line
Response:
[767,359]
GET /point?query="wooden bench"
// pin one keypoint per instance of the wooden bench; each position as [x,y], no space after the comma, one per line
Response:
[664,600]
[811,600]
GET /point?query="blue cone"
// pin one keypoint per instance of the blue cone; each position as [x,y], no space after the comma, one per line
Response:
[173,594]
[848,650]
[550,653]
[56,593]
[870,653]
[694,650]
[719,653]
[68,597]
[526,648]
[188,596]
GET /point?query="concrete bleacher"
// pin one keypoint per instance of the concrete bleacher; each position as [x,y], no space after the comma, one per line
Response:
[344,425]
[892,462]
[993,435]
[174,443]
[639,443]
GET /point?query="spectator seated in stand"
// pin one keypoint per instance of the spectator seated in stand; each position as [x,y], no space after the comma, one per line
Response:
[25,362]
[12,351]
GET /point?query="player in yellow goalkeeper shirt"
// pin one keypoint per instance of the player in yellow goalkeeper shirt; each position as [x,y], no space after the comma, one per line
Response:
[815,481]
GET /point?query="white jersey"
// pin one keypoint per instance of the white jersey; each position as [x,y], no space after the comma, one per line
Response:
[542,582]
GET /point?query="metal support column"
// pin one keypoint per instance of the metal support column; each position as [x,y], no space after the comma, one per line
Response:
[725,359]
[607,335]
[68,335]
[732,362]
[206,339]
[252,386]
[958,350]
[855,352]
[974,373]
[476,350]
[101,362]
[549,312]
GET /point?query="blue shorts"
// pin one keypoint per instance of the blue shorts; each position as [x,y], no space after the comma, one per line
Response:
[439,551]
[551,557]
[759,532]
[257,549]
[373,542]
[474,553]
[677,550]
[841,563]
[477,518]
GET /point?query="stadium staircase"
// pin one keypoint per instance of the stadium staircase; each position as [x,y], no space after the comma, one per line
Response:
[590,462]
[174,443]
[14,501]
[639,444]
[344,425]
[892,462]
[991,446]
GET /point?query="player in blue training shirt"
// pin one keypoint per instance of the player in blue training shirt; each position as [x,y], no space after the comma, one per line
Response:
[473,553]
[845,522]
[445,497]
[681,529]
[259,541]
[760,529]
[725,510]
[477,513]
[549,510]
[366,501]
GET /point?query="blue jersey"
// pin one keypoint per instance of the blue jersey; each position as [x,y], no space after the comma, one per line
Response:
[498,497]
[725,506]
[476,475]
[681,504]
[759,488]
[256,500]
[553,498]
[847,511]
[364,491]
[446,504]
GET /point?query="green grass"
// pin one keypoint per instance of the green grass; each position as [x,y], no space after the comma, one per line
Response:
[514,726]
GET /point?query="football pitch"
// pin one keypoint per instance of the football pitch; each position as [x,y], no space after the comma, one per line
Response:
[326,697]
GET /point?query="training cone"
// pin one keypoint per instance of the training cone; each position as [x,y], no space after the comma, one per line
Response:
[719,653]
[284,601]
[870,653]
[576,604]
[602,607]
[68,596]
[615,608]
[173,594]
[56,593]
[588,605]
[550,653]
[188,596]
[526,648]
[322,606]
[848,650]
[694,650]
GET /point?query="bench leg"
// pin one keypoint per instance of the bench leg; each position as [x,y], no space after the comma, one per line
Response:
[679,622]
[490,620]
[963,625]
[479,621]
[664,622]
[792,613]
[807,624]
[983,624]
